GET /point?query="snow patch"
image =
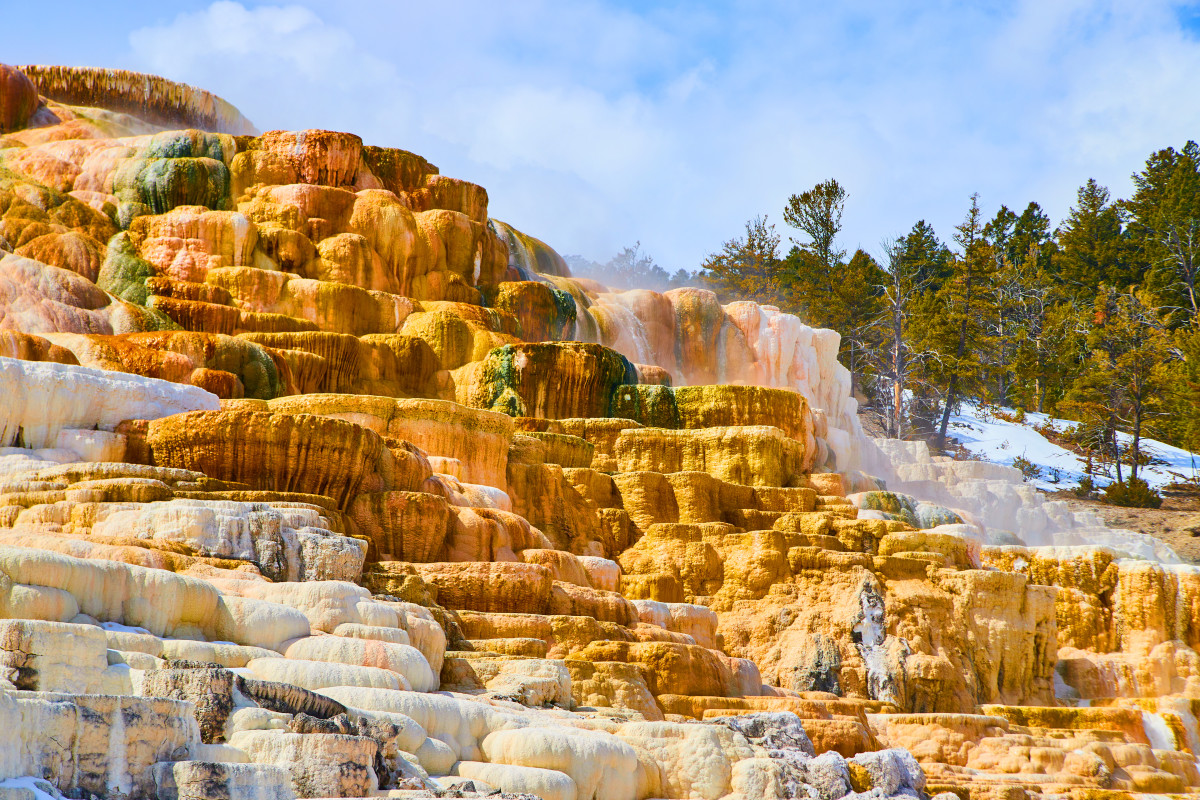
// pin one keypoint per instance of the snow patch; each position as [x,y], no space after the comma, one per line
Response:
[42,790]
[1001,442]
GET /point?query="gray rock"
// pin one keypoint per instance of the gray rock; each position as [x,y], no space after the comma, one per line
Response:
[288,699]
[892,771]
[84,744]
[774,731]
[828,775]
[209,689]
[207,780]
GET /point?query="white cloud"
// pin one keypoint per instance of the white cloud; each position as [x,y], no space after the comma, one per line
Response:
[282,65]
[593,126]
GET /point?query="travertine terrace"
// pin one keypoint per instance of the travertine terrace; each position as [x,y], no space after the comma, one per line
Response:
[316,481]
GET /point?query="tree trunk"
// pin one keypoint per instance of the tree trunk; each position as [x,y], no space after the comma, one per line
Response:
[1137,442]
[897,399]
[897,371]
[950,391]
[1117,454]
[962,348]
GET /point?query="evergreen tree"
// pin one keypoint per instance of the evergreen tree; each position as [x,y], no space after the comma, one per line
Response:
[1123,387]
[924,257]
[817,214]
[1019,300]
[854,310]
[1186,383]
[747,268]
[1165,225]
[1092,246]
[1098,319]
[961,332]
[814,264]
[824,290]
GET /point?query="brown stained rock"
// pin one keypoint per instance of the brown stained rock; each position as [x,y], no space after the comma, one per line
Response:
[402,526]
[612,684]
[489,534]
[209,690]
[288,699]
[535,306]
[750,455]
[69,739]
[326,158]
[490,587]
[477,440]
[291,453]
[451,194]
[38,298]
[324,765]
[539,447]
[557,380]
[670,668]
[18,98]
[726,405]
[565,567]
[228,367]
[218,780]
[543,494]
[72,250]
[400,580]
[602,433]
[28,347]
[581,601]
[150,97]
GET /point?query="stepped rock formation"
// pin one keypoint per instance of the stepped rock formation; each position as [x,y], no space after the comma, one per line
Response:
[315,481]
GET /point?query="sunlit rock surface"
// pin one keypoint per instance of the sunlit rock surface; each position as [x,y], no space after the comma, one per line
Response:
[315,481]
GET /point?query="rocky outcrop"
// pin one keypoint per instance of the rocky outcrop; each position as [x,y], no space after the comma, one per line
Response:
[546,380]
[153,98]
[279,452]
[99,744]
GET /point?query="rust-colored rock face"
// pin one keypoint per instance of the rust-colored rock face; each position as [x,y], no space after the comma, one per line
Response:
[293,435]
[277,452]
[18,98]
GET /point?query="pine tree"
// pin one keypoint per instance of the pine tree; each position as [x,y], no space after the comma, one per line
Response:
[963,328]
[855,307]
[1127,373]
[925,258]
[1092,246]
[817,214]
[1186,384]
[747,268]
[826,291]
[1032,230]
[1020,298]
[1165,225]
[814,264]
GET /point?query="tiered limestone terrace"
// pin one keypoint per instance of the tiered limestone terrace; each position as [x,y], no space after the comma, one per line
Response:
[315,481]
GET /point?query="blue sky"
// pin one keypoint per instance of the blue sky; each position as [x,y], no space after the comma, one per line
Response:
[596,124]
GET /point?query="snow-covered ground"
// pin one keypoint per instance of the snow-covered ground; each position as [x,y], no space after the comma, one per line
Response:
[993,439]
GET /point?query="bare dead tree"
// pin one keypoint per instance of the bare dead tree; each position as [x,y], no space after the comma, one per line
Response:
[1180,241]
[891,355]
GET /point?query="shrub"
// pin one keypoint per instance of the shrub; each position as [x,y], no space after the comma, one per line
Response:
[1030,470]
[1086,488]
[1133,493]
